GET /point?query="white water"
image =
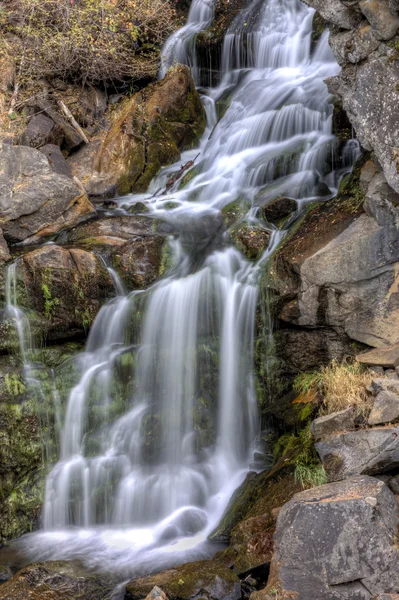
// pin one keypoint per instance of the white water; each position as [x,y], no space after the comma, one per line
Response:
[141,485]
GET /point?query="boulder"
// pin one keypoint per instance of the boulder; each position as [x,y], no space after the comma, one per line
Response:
[148,131]
[381,201]
[137,251]
[279,208]
[36,202]
[386,356]
[343,420]
[336,541]
[350,283]
[354,46]
[367,451]
[390,384]
[385,409]
[41,131]
[66,289]
[251,240]
[336,12]
[383,20]
[56,159]
[55,580]
[203,579]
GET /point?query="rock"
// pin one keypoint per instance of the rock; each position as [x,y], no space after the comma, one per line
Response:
[56,159]
[385,409]
[394,484]
[278,209]
[148,131]
[86,103]
[336,541]
[387,597]
[72,139]
[55,580]
[389,384]
[251,240]
[336,12]
[156,593]
[66,288]
[36,202]
[41,131]
[383,20]
[5,573]
[369,97]
[137,251]
[338,421]
[354,46]
[386,356]
[192,581]
[381,201]
[350,281]
[236,509]
[21,478]
[367,451]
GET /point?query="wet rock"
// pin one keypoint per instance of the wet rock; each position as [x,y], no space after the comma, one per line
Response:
[66,288]
[343,420]
[204,579]
[55,580]
[385,409]
[279,209]
[367,451]
[383,20]
[387,356]
[148,131]
[137,251]
[336,12]
[252,240]
[41,131]
[5,573]
[36,202]
[21,480]
[336,541]
[237,508]
[56,159]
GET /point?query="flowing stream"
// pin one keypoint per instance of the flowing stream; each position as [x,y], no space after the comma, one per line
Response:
[141,482]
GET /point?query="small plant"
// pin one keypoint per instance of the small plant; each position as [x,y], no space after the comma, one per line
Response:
[49,302]
[340,384]
[14,385]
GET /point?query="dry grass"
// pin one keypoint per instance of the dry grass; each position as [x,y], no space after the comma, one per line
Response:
[341,385]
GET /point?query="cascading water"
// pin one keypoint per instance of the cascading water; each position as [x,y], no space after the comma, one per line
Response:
[141,484]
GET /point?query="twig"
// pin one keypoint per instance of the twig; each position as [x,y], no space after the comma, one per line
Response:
[74,123]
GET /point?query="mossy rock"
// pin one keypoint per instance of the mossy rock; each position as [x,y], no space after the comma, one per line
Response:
[251,240]
[235,212]
[201,580]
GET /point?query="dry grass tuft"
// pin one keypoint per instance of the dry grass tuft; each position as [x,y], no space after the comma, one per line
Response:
[341,385]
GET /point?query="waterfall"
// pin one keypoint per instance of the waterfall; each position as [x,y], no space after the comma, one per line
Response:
[142,481]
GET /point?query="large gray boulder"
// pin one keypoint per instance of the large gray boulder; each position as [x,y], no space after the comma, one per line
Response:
[336,542]
[337,421]
[336,12]
[354,275]
[367,451]
[36,202]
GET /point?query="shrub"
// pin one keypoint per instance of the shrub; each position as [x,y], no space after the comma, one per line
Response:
[341,385]
[90,41]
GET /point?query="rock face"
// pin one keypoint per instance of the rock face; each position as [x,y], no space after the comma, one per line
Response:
[53,581]
[322,550]
[147,132]
[370,451]
[66,288]
[368,91]
[204,579]
[35,202]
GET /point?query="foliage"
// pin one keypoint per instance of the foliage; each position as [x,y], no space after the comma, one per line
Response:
[87,40]
[49,302]
[341,385]
[300,452]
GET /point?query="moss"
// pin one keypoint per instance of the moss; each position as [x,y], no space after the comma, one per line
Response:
[235,212]
[251,240]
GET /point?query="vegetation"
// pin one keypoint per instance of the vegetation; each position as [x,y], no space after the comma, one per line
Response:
[90,41]
[340,384]
[299,450]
